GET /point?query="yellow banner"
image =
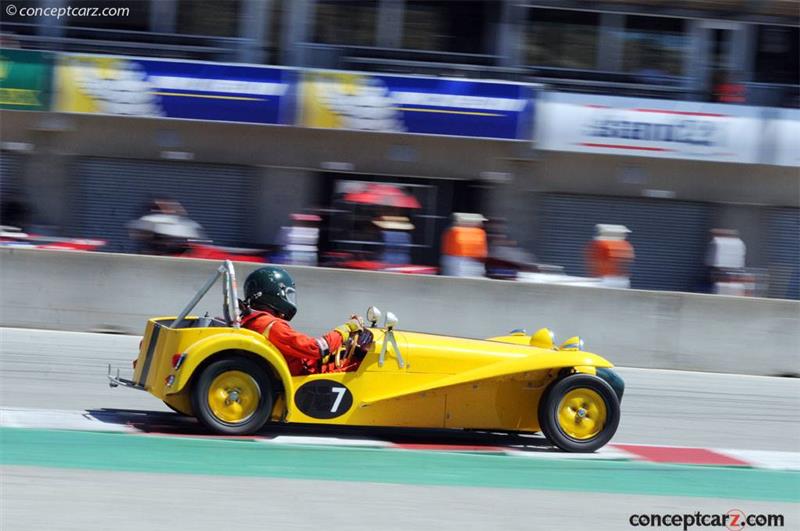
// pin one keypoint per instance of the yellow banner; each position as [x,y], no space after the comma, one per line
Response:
[335,100]
[107,85]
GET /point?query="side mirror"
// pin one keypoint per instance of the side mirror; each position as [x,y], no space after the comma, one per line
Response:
[373,315]
[391,320]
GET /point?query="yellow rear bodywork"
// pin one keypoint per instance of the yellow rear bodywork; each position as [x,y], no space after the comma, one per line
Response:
[444,381]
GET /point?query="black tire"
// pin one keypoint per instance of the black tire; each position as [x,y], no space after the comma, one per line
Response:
[548,413]
[253,422]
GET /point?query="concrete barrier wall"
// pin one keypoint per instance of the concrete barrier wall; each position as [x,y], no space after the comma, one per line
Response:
[87,291]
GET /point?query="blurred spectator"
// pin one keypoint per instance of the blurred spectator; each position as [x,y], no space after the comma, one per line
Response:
[396,237]
[299,241]
[505,258]
[727,89]
[166,206]
[464,247]
[609,255]
[725,260]
[166,229]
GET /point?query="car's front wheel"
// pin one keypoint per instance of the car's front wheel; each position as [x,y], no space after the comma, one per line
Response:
[233,396]
[579,413]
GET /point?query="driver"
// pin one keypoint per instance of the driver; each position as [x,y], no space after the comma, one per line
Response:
[270,304]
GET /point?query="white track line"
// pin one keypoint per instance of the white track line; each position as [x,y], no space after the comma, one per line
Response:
[56,419]
[327,441]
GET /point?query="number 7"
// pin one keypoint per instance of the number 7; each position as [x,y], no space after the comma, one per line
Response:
[340,391]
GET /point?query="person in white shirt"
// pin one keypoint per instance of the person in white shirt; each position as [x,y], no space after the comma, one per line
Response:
[299,240]
[725,260]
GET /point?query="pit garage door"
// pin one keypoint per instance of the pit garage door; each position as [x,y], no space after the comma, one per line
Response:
[669,236]
[110,192]
[784,253]
[11,165]
[14,204]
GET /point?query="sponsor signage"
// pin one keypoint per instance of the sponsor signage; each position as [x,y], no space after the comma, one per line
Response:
[650,128]
[175,89]
[413,104]
[25,80]
[782,138]
[127,86]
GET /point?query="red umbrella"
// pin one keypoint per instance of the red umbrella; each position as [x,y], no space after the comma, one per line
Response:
[384,195]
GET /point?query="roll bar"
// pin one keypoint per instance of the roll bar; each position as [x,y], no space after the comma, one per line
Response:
[229,301]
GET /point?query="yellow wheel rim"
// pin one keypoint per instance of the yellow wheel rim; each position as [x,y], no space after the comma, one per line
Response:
[233,396]
[582,414]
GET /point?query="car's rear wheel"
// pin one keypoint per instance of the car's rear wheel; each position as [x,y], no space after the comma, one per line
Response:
[233,396]
[579,413]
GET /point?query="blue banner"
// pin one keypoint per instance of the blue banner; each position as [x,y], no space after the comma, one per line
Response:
[176,89]
[269,95]
[412,104]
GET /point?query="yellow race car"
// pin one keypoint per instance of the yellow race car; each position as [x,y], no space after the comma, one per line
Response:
[234,381]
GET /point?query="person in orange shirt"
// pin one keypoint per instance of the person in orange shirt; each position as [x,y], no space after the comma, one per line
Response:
[609,255]
[464,247]
[268,307]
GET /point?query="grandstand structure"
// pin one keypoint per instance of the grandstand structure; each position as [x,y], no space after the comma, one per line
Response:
[651,48]
[670,117]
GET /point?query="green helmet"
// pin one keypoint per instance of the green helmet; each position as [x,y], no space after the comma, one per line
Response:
[271,288]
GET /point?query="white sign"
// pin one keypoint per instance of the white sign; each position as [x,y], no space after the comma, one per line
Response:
[784,138]
[649,128]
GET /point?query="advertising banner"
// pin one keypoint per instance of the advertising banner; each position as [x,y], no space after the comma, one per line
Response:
[175,89]
[649,128]
[25,80]
[412,104]
[781,141]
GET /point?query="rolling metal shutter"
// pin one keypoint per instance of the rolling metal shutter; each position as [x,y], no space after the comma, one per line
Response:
[11,166]
[784,253]
[110,192]
[669,237]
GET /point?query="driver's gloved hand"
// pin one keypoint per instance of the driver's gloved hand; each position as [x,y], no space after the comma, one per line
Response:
[353,325]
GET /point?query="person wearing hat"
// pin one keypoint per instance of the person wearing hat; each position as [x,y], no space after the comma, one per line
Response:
[725,260]
[299,241]
[270,303]
[166,229]
[464,246]
[395,233]
[609,255]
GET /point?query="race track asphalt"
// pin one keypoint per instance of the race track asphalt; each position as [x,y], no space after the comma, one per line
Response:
[67,370]
[81,500]
[64,370]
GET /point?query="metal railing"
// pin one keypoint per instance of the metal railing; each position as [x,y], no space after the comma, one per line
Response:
[126,42]
[484,67]
[378,59]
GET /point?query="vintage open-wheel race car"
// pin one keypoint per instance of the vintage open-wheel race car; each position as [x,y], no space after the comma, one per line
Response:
[234,381]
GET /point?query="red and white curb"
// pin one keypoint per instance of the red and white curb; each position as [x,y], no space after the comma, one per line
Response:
[768,459]
[92,421]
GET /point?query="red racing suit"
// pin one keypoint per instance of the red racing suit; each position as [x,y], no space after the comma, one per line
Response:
[303,353]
